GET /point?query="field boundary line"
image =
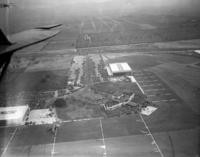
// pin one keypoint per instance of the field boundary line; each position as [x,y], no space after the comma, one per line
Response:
[155,89]
[54,142]
[140,87]
[164,100]
[5,149]
[158,84]
[152,137]
[154,141]
[103,139]
[165,94]
[7,126]
[143,81]
[84,119]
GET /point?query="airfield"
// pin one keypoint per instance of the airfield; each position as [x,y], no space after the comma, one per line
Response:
[166,71]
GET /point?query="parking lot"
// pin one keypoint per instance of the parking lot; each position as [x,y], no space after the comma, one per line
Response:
[154,88]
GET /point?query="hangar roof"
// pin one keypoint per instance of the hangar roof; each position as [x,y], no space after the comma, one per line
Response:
[13,112]
[120,67]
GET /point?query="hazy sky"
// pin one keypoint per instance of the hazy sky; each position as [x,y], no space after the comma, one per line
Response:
[30,13]
[138,3]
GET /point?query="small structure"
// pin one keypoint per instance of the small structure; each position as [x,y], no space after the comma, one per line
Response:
[118,105]
[42,116]
[197,51]
[14,115]
[117,69]
[148,110]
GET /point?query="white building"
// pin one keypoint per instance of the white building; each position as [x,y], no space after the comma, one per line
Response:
[14,115]
[42,116]
[118,69]
[197,51]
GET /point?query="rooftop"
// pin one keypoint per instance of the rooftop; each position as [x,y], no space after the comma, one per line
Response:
[12,113]
[119,67]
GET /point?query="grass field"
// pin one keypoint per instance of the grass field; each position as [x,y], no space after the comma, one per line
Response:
[95,137]
[90,134]
[127,30]
[130,29]
[183,80]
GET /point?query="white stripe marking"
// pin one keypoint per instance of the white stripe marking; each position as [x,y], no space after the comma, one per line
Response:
[159,150]
[103,139]
[7,126]
[166,100]
[154,142]
[159,95]
[157,89]
[142,74]
[140,87]
[79,120]
[13,134]
[151,95]
[54,141]
[143,81]
[149,85]
[146,77]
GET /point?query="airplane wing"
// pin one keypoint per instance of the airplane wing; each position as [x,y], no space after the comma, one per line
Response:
[26,38]
[8,45]
[49,26]
[3,39]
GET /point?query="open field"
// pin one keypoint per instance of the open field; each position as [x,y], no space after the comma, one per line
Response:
[106,31]
[32,63]
[91,131]
[40,81]
[94,137]
[183,80]
[142,30]
[30,75]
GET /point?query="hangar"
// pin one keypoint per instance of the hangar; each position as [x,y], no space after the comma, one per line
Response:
[115,69]
[13,115]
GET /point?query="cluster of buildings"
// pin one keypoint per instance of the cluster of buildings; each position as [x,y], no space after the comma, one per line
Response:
[18,115]
[22,115]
